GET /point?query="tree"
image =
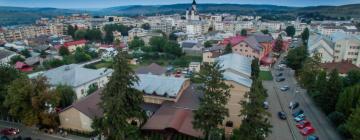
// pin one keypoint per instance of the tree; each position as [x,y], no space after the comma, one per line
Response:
[53,63]
[173,36]
[348,100]
[243,32]
[93,35]
[353,123]
[309,72]
[81,55]
[228,49]
[110,28]
[80,34]
[145,26]
[212,111]
[16,58]
[290,31]
[265,31]
[64,51]
[71,31]
[255,69]
[120,102]
[305,36]
[157,43]
[334,87]
[7,75]
[296,57]
[136,43]
[207,44]
[278,45]
[32,101]
[352,78]
[67,95]
[25,53]
[92,88]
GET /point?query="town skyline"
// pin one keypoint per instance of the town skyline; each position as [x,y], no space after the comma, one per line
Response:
[95,4]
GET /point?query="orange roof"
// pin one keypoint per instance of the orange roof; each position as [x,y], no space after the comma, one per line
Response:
[72,43]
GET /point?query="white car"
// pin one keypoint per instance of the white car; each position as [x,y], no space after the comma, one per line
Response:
[281,65]
[284,88]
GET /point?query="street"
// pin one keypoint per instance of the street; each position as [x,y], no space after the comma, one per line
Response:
[31,132]
[279,101]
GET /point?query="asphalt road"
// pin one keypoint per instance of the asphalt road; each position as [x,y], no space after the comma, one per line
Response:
[31,132]
[279,101]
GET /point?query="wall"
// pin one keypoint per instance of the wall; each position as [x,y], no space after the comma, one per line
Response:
[74,119]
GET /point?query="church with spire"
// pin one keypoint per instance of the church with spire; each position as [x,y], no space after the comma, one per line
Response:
[192,14]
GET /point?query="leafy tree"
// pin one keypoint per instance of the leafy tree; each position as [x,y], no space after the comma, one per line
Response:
[81,56]
[93,35]
[64,51]
[172,36]
[309,71]
[67,95]
[352,78]
[348,100]
[228,49]
[334,87]
[265,31]
[212,111]
[16,58]
[173,48]
[120,102]
[157,43]
[7,75]
[296,57]
[136,43]
[207,44]
[53,63]
[110,28]
[353,123]
[243,32]
[305,36]
[337,118]
[80,34]
[145,26]
[91,52]
[290,31]
[278,45]
[92,89]
[25,53]
[32,101]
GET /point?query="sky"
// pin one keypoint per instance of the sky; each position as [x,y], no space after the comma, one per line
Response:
[112,3]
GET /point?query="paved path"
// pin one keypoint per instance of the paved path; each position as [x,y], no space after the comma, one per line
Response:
[279,101]
[31,132]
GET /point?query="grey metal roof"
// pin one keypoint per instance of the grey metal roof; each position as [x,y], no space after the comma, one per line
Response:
[160,85]
[74,75]
[237,78]
[5,53]
[151,69]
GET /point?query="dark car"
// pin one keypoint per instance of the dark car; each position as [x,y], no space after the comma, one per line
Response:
[280,79]
[278,74]
[279,68]
[297,113]
[294,105]
[282,115]
[312,137]
[9,131]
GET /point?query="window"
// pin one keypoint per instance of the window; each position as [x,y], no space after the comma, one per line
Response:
[235,50]
[229,124]
[246,50]
[240,50]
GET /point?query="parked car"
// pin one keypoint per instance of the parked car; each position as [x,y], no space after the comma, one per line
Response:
[281,65]
[312,137]
[297,113]
[307,130]
[278,74]
[266,105]
[299,118]
[279,68]
[9,131]
[294,105]
[282,115]
[284,88]
[280,79]
[303,124]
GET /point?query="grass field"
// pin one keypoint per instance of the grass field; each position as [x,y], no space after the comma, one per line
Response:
[265,75]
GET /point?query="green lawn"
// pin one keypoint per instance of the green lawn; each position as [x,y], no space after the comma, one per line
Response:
[265,75]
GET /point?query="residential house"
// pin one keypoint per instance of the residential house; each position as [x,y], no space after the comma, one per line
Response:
[72,45]
[153,68]
[5,55]
[76,76]
[209,54]
[23,67]
[342,67]
[194,66]
[191,47]
[318,44]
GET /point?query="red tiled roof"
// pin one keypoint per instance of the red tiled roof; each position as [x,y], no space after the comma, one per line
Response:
[71,43]
[342,67]
[233,40]
[23,67]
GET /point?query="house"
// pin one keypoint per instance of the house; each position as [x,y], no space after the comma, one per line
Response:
[342,67]
[153,68]
[72,45]
[78,77]
[318,44]
[5,55]
[191,47]
[209,54]
[23,67]
[194,66]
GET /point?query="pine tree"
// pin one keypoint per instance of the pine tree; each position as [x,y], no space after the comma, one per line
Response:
[334,87]
[255,70]
[121,102]
[353,123]
[212,110]
[305,36]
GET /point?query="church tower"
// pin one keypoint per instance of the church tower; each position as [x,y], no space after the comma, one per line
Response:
[192,13]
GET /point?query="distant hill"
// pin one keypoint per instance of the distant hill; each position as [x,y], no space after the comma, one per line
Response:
[20,15]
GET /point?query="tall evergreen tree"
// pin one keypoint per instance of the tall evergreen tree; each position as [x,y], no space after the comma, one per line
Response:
[228,49]
[305,36]
[353,123]
[255,69]
[334,87]
[348,100]
[243,32]
[121,102]
[290,31]
[212,110]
